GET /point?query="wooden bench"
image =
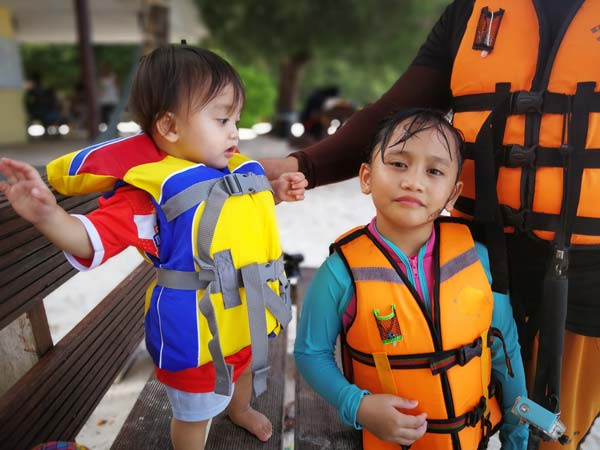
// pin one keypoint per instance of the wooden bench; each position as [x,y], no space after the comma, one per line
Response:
[48,391]
[50,396]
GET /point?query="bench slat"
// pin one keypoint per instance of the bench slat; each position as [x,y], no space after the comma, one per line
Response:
[35,286]
[30,267]
[147,425]
[22,234]
[20,261]
[12,224]
[76,373]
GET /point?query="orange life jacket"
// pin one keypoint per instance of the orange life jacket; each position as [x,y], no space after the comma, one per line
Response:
[534,128]
[441,359]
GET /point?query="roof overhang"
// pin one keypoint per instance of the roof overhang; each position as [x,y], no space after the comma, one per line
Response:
[113,21]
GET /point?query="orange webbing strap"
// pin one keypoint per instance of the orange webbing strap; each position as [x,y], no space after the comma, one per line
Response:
[384,371]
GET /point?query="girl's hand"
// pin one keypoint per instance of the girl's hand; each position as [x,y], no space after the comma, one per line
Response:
[26,191]
[289,187]
[379,414]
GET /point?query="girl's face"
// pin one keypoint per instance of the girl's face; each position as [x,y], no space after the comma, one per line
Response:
[413,183]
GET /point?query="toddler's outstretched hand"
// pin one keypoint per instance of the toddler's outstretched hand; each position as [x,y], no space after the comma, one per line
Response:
[379,414]
[26,191]
[289,187]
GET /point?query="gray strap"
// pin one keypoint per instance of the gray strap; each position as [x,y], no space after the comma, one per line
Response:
[254,278]
[376,274]
[208,222]
[178,279]
[223,371]
[233,184]
[188,198]
[228,279]
[279,305]
[458,263]
[217,197]
[258,324]
[218,193]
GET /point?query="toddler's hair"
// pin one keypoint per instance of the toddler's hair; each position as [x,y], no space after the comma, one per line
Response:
[419,119]
[179,79]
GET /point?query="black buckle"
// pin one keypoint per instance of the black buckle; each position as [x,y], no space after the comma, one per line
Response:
[524,102]
[473,417]
[468,352]
[519,156]
[513,218]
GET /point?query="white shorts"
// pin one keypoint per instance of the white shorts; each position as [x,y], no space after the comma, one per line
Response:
[196,407]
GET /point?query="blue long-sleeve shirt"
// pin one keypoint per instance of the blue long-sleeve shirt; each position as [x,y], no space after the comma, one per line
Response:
[320,324]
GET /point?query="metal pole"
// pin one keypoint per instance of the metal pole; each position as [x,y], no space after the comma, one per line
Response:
[88,66]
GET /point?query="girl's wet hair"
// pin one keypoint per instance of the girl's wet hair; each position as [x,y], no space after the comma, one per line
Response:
[418,120]
[180,79]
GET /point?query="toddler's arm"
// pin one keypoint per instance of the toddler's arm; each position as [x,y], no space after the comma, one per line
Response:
[289,187]
[34,202]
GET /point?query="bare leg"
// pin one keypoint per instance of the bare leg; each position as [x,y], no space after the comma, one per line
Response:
[242,414]
[188,435]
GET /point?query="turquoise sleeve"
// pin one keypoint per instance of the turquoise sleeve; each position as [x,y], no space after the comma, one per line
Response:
[318,328]
[513,434]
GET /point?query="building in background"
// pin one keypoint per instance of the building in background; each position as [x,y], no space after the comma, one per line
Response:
[56,21]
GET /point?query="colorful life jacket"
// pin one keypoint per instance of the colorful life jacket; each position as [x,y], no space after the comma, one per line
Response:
[531,120]
[220,282]
[442,359]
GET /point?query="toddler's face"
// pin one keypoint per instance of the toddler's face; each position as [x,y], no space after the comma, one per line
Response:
[414,182]
[209,135]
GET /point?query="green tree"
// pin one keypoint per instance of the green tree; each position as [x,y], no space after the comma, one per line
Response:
[360,36]
[260,95]
[59,67]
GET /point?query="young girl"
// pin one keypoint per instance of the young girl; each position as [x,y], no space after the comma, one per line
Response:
[203,215]
[409,294]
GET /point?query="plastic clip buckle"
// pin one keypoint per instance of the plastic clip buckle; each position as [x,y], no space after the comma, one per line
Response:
[524,102]
[232,184]
[468,352]
[519,156]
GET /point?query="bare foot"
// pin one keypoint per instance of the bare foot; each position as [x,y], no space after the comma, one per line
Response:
[253,421]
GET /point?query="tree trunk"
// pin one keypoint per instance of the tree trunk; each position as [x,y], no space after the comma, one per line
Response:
[290,73]
[88,66]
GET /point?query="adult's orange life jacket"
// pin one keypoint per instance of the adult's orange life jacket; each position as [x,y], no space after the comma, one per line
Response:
[532,119]
[441,358]
[530,110]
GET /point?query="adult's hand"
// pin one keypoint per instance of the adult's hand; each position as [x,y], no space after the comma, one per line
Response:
[275,167]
